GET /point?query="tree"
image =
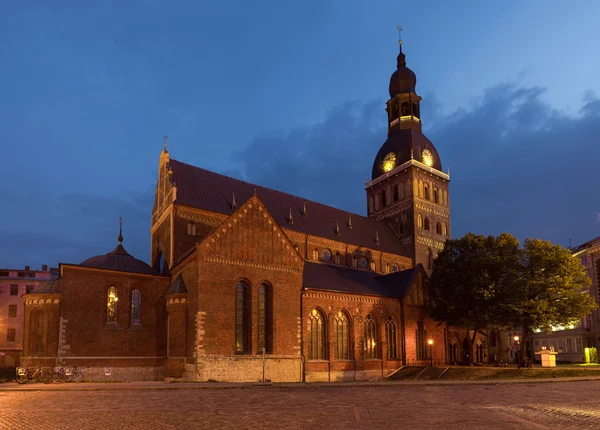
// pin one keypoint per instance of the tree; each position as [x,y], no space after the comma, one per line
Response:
[491,282]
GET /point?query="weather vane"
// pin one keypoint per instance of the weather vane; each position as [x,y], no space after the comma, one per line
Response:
[399,35]
[165,141]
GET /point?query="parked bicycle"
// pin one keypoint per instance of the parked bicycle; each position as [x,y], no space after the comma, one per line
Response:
[67,374]
[38,374]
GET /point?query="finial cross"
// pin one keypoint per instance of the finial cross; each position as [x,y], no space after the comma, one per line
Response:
[165,137]
[399,35]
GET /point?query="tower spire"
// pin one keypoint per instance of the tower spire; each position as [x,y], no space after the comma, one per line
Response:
[120,238]
[400,38]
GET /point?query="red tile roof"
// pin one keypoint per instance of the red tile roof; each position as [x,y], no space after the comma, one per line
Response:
[213,192]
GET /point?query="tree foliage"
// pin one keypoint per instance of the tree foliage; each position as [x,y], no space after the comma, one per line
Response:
[483,282]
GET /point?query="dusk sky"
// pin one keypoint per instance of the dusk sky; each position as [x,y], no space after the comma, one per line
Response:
[290,95]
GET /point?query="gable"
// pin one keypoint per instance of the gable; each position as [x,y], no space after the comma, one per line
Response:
[251,235]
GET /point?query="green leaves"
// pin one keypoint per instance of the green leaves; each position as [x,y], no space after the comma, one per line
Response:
[483,282]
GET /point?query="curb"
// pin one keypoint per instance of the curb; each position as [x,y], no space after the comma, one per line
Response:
[153,386]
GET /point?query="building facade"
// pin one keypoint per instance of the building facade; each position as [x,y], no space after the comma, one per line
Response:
[14,283]
[579,342]
[244,278]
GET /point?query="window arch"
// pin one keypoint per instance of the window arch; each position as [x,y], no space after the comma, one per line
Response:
[111,305]
[316,335]
[426,191]
[264,318]
[429,259]
[436,198]
[438,228]
[342,336]
[241,317]
[390,334]
[420,221]
[421,189]
[444,229]
[370,337]
[136,303]
[426,224]
[38,332]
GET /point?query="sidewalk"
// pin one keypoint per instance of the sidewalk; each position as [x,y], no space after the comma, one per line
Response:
[159,385]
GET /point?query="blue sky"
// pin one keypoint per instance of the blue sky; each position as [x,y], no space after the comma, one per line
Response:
[290,95]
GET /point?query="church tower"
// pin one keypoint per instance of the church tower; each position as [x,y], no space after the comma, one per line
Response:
[408,188]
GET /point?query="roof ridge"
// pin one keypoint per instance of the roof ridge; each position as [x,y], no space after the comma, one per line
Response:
[278,191]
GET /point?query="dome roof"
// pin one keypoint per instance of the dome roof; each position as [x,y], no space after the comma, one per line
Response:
[403,80]
[402,143]
[118,259]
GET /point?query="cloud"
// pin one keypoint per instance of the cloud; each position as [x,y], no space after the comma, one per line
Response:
[517,164]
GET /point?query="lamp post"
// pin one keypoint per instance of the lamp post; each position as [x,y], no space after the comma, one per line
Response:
[518,361]
[430,342]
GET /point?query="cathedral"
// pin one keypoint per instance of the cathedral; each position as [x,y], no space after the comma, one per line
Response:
[247,282]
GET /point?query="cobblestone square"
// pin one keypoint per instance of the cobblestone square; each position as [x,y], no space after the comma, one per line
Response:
[459,406]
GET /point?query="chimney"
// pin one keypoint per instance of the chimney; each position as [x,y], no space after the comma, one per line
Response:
[27,268]
[44,268]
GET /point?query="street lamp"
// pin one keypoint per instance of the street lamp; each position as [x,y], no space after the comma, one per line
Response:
[518,361]
[430,342]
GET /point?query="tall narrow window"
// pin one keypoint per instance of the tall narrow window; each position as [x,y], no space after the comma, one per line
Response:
[342,338]
[241,317]
[396,195]
[136,302]
[426,192]
[316,338]
[438,228]
[420,221]
[390,334]
[370,337]
[264,322]
[111,305]
[436,198]
[338,258]
[426,224]
[38,332]
[421,341]
[316,254]
[429,259]
[444,229]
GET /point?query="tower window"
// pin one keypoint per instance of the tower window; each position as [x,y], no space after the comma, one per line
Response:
[419,221]
[405,109]
[435,196]
[444,229]
[191,229]
[429,259]
[316,254]
[438,228]
[426,192]
[373,266]
[426,224]
[396,194]
[383,199]
[337,258]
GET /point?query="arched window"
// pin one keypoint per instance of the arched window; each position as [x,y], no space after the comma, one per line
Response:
[421,341]
[387,267]
[426,192]
[191,229]
[316,337]
[435,196]
[111,305]
[316,254]
[390,334]
[445,198]
[429,259]
[421,189]
[405,109]
[136,303]
[241,317]
[338,258]
[264,318]
[419,221]
[373,266]
[438,228]
[354,261]
[444,229]
[38,332]
[342,337]
[370,337]
[426,224]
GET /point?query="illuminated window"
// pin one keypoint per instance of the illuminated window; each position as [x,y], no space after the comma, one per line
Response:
[316,254]
[338,258]
[421,341]
[136,302]
[419,221]
[342,336]
[370,337]
[241,317]
[111,305]
[316,337]
[387,267]
[390,334]
[191,230]
[373,267]
[264,318]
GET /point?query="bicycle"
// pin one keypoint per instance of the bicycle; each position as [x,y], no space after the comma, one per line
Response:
[33,374]
[73,374]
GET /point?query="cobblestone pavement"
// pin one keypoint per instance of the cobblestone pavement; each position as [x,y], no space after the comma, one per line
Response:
[562,405]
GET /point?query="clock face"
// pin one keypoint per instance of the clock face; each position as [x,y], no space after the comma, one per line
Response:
[427,157]
[389,162]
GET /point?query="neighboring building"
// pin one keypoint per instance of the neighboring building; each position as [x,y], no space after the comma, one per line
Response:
[578,343]
[237,268]
[14,283]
